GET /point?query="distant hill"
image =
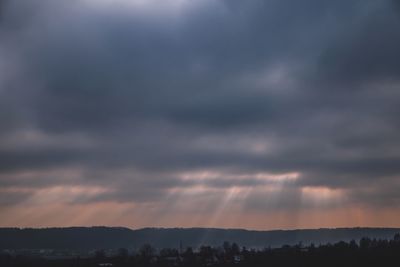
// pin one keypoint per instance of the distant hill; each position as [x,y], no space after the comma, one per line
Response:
[84,238]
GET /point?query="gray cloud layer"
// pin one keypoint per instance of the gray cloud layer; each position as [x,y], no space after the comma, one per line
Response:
[134,100]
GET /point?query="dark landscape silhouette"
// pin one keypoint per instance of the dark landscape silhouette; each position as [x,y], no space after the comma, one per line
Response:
[84,238]
[107,246]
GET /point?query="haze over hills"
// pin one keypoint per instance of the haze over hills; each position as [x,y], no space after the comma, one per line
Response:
[81,238]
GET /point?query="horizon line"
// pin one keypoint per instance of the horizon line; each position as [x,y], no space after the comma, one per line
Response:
[196,227]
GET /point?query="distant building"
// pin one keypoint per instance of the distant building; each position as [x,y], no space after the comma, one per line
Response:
[237,258]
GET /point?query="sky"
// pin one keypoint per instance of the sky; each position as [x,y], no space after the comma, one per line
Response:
[274,114]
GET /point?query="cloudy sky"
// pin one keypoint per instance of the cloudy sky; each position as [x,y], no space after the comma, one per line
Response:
[217,113]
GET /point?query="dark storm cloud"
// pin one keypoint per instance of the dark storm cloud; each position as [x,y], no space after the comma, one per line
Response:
[315,81]
[366,52]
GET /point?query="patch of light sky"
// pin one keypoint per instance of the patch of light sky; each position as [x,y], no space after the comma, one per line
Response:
[144,6]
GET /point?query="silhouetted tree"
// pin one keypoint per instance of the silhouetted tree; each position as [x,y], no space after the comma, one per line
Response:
[396,238]
[146,253]
[168,252]
[365,243]
[189,256]
[227,247]
[235,248]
